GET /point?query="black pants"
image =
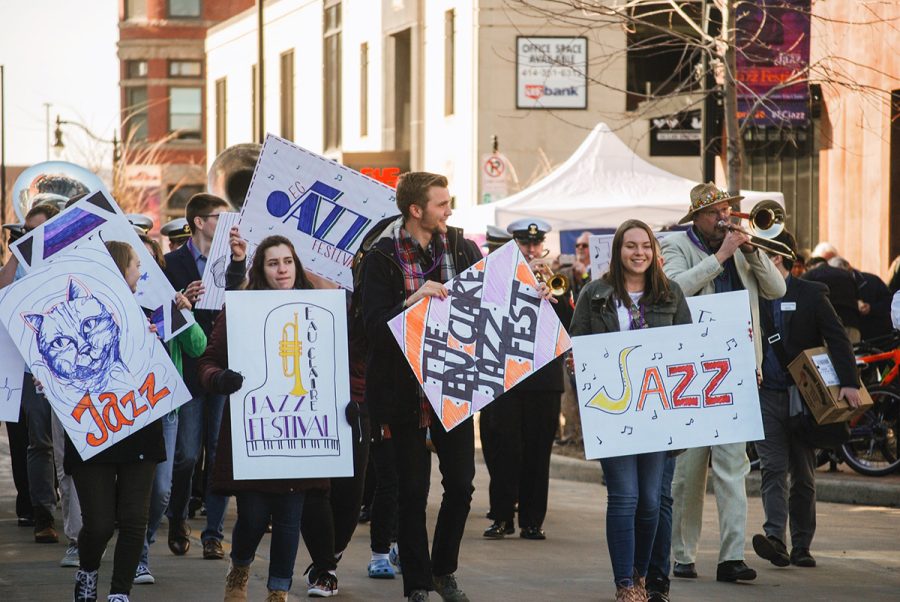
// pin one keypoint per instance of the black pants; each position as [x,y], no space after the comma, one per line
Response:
[110,494]
[18,455]
[488,427]
[384,520]
[524,425]
[330,518]
[456,456]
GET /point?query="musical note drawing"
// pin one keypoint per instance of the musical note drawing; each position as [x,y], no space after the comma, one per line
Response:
[689,423]
[365,201]
[654,415]
[586,387]
[656,356]
[583,366]
[731,343]
[702,355]
[705,332]
[605,352]
[740,382]
[735,416]
[680,346]
[599,441]
[670,440]
[597,254]
[271,176]
[717,434]
[705,316]
[626,428]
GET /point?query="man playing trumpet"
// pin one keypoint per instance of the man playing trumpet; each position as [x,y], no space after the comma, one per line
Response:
[525,418]
[713,257]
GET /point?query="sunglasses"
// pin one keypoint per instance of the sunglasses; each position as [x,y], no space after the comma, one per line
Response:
[581,245]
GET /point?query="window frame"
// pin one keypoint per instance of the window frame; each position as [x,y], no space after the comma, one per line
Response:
[185,134]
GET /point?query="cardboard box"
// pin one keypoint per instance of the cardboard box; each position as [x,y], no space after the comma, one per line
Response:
[819,386]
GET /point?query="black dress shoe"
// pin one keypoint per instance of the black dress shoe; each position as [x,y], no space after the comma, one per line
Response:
[499,529]
[179,544]
[771,549]
[532,533]
[802,557]
[212,550]
[25,521]
[685,571]
[734,570]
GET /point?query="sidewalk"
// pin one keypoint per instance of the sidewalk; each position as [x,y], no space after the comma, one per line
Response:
[841,487]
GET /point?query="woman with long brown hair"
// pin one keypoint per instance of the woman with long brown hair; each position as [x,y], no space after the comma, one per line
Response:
[634,294]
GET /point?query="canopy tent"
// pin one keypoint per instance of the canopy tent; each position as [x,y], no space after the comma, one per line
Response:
[601,185]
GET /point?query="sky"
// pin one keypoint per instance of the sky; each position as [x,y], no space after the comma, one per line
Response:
[61,52]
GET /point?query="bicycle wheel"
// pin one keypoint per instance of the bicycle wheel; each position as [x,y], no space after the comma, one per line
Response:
[872,449]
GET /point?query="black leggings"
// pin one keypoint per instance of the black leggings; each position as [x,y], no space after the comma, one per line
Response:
[111,493]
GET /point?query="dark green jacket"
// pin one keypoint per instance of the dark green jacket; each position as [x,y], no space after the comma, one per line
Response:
[595,312]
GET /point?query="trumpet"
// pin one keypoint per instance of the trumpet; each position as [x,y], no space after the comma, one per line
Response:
[557,283]
[766,221]
[290,348]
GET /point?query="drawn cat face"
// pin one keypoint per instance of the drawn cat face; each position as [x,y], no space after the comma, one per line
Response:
[78,338]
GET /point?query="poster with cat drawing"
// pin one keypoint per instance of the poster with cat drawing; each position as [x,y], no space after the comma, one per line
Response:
[86,339]
[98,216]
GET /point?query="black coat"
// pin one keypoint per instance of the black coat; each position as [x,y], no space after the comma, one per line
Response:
[181,270]
[842,291]
[392,390]
[814,323]
[875,292]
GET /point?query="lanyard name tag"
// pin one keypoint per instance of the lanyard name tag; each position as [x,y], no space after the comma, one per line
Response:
[788,306]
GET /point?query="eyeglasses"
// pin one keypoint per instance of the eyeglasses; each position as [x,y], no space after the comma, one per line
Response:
[210,216]
[581,245]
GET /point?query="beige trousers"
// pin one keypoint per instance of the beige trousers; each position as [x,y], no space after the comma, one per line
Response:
[730,466]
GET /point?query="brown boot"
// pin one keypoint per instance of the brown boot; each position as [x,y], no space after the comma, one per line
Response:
[640,588]
[276,596]
[628,594]
[236,583]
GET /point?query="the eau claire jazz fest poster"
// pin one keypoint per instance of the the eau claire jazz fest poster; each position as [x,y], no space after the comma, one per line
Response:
[323,207]
[87,341]
[491,332]
[674,387]
[288,420]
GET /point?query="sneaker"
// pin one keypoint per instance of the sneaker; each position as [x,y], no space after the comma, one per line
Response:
[417,595]
[143,576]
[85,586]
[447,588]
[381,568]
[394,557]
[322,585]
[70,558]
[117,598]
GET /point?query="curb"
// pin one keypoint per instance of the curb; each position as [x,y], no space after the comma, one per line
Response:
[830,487]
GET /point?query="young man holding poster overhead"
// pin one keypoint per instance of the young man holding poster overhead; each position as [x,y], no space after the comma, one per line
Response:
[411,260]
[711,258]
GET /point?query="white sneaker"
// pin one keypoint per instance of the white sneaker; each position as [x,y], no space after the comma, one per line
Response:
[394,558]
[143,576]
[70,558]
[117,598]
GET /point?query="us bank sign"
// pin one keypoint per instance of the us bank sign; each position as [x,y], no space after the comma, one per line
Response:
[551,72]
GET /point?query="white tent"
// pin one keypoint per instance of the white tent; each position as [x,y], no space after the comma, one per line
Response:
[601,185]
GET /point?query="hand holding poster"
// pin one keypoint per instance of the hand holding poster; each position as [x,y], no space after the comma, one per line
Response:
[323,207]
[98,216]
[84,337]
[288,419]
[218,261]
[492,331]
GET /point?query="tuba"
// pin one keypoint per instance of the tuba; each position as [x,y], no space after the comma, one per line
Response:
[231,172]
[290,348]
[51,182]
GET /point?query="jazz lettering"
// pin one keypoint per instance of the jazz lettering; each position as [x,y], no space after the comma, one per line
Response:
[110,413]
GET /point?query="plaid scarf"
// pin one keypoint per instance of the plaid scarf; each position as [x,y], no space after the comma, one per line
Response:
[417,263]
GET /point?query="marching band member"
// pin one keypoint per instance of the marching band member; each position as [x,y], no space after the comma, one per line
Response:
[525,419]
[704,260]
[634,294]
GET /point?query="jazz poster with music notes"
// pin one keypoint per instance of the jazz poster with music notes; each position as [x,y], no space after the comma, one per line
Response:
[12,373]
[669,388]
[218,261]
[323,207]
[84,337]
[491,332]
[98,216]
[600,246]
[288,419]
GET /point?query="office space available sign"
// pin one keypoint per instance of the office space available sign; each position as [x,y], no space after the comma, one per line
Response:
[551,72]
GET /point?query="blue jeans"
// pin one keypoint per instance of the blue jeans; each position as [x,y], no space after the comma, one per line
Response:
[632,514]
[203,413]
[253,512]
[162,483]
[662,544]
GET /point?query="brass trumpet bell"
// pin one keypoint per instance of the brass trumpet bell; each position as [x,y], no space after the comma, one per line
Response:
[230,174]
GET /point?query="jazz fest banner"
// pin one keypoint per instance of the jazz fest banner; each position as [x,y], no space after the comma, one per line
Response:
[218,261]
[491,332]
[87,341]
[97,216]
[670,388]
[288,420]
[323,207]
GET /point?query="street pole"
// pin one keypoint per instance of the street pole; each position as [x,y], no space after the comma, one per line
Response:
[260,74]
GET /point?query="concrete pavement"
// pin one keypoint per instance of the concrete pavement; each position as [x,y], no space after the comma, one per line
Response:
[857,549]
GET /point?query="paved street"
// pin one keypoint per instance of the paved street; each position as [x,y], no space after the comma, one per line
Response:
[857,548]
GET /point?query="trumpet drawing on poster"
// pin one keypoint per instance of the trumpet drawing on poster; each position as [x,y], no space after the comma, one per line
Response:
[491,332]
[88,343]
